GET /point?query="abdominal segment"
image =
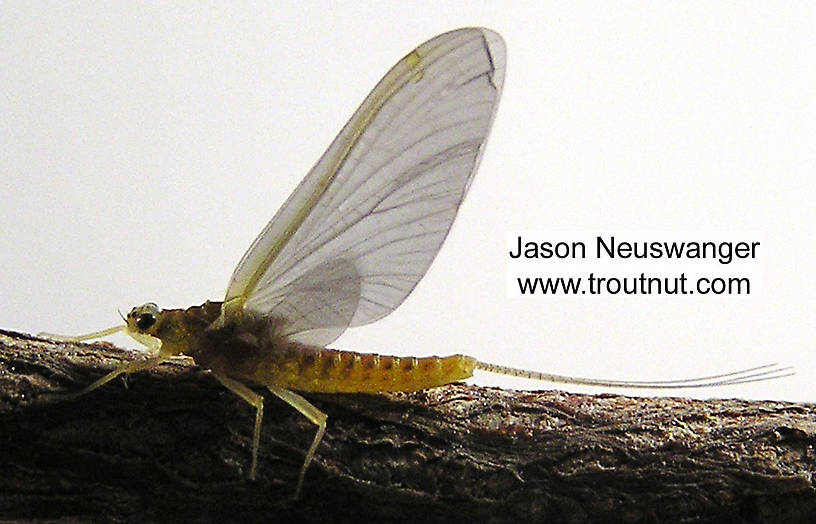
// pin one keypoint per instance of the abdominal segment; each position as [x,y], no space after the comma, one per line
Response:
[334,371]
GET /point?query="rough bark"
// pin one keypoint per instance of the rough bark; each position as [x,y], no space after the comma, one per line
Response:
[175,445]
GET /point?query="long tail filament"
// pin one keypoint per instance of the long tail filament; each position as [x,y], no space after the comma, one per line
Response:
[755,374]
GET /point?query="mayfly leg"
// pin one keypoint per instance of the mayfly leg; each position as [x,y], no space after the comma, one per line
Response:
[253,399]
[152,346]
[81,338]
[303,406]
[316,416]
[130,367]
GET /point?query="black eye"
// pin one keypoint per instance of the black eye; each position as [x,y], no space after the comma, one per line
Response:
[145,320]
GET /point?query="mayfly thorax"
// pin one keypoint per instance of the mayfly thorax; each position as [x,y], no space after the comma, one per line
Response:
[351,243]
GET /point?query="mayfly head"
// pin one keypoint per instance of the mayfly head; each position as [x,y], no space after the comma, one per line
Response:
[144,319]
[148,324]
[161,331]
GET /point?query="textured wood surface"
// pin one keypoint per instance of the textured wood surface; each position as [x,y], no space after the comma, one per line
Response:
[172,444]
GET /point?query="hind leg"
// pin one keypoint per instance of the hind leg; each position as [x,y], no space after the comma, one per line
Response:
[316,416]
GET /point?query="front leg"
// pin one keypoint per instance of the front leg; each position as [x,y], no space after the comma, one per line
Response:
[130,367]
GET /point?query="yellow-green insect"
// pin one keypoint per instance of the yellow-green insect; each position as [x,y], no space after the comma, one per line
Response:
[350,244]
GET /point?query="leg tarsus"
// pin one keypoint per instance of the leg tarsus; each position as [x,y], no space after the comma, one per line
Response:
[256,439]
[254,399]
[309,411]
[130,367]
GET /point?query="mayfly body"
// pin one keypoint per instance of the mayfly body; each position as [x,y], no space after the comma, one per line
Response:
[350,244]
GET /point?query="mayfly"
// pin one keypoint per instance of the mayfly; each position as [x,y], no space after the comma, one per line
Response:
[350,244]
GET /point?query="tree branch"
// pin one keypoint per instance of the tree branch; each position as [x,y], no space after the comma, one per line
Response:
[175,445]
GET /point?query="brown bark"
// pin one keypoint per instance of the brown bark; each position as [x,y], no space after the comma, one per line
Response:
[174,445]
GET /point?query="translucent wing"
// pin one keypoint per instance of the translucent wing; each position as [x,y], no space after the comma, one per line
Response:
[361,229]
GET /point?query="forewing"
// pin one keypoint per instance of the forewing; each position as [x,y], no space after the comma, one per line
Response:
[384,195]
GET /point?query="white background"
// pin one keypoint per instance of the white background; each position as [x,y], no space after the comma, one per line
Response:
[142,148]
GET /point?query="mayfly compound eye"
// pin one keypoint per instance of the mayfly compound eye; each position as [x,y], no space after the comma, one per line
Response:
[145,321]
[145,316]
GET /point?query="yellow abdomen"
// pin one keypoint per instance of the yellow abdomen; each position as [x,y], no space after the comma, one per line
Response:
[334,371]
